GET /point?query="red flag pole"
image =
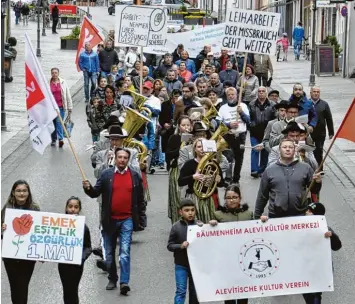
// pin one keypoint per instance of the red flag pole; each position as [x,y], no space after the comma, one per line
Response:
[71,146]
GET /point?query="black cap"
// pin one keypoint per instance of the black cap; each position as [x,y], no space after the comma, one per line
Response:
[180,46]
[199,126]
[117,131]
[282,104]
[274,92]
[294,105]
[317,208]
[294,127]
[227,84]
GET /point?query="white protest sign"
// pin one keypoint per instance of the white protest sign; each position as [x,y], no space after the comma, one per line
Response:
[251,259]
[193,41]
[43,236]
[140,25]
[251,31]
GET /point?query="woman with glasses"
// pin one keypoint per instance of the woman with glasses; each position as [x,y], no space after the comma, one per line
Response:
[18,271]
[233,211]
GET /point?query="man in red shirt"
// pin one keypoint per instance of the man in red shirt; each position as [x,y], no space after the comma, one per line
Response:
[122,212]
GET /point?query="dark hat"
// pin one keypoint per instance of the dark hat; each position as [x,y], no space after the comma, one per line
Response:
[294,127]
[317,208]
[274,92]
[227,84]
[180,46]
[294,105]
[282,104]
[112,120]
[199,126]
[117,131]
[251,67]
[167,55]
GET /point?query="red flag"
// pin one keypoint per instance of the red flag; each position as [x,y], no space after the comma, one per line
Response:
[88,33]
[347,127]
[41,105]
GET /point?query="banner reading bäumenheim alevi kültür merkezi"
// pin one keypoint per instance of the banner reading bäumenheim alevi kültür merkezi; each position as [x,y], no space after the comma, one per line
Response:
[251,259]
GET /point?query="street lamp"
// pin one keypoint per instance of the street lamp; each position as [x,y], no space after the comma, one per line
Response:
[3,113]
[44,22]
[38,51]
[312,76]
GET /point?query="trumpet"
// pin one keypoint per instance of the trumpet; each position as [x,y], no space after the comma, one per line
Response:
[111,160]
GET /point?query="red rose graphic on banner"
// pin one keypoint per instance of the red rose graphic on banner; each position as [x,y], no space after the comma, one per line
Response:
[21,225]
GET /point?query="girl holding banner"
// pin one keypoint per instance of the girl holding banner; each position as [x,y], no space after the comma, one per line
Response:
[70,274]
[19,271]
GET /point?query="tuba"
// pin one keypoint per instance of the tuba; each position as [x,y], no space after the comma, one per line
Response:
[133,122]
[209,167]
[211,113]
[139,101]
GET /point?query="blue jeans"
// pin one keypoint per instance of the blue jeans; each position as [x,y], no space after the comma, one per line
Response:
[121,229]
[159,156]
[17,18]
[58,132]
[182,274]
[296,50]
[258,159]
[89,76]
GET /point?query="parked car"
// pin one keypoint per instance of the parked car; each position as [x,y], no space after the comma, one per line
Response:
[169,4]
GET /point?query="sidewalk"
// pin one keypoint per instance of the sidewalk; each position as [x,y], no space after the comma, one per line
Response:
[337,91]
[15,92]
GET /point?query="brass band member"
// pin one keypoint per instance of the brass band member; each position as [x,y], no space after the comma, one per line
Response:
[171,157]
[205,207]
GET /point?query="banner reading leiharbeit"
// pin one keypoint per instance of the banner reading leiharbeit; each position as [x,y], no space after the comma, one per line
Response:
[252,259]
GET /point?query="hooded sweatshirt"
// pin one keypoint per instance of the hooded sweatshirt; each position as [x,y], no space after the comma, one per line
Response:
[284,187]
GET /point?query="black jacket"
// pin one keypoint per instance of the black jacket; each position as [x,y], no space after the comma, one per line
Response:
[324,119]
[166,116]
[178,235]
[25,10]
[199,59]
[260,115]
[55,12]
[161,71]
[103,187]
[172,151]
[108,58]
[176,56]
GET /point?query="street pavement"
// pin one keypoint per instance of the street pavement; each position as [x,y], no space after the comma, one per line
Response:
[15,92]
[54,177]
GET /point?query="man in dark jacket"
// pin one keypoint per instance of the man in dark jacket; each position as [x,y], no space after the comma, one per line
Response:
[216,84]
[108,57]
[122,212]
[229,74]
[283,185]
[261,111]
[162,70]
[325,119]
[136,79]
[299,96]
[177,52]
[202,56]
[55,18]
[25,11]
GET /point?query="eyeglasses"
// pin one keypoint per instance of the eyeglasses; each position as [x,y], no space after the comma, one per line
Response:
[21,191]
[233,198]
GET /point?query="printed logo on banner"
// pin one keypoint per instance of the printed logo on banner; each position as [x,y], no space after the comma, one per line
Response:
[259,258]
[22,226]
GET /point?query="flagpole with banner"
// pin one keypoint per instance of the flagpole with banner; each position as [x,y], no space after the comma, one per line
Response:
[88,33]
[41,106]
[345,131]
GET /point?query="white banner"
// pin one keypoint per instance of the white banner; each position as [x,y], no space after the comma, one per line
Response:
[43,236]
[193,41]
[251,31]
[40,102]
[252,259]
[141,25]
